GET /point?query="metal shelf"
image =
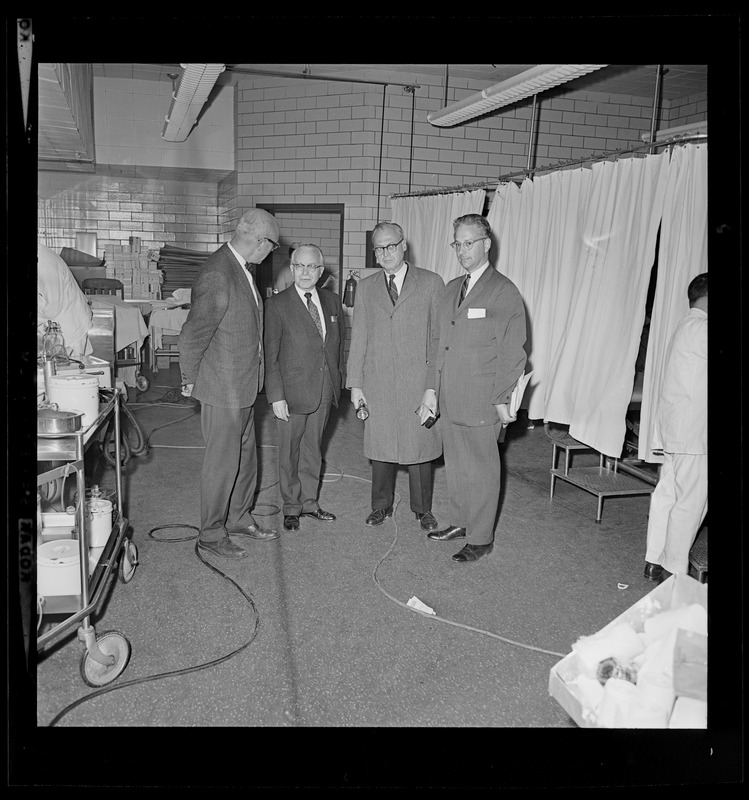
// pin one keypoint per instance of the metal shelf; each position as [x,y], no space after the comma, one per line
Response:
[602,481]
[98,666]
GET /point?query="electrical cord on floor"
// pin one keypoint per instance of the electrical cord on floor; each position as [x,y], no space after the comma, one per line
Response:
[327,478]
[185,670]
[436,618]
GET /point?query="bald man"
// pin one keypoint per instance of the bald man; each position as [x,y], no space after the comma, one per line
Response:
[221,357]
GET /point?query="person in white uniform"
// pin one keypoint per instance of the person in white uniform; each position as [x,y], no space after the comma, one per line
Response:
[61,300]
[678,504]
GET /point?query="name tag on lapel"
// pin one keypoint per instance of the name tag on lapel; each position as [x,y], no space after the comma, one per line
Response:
[476,313]
[334,318]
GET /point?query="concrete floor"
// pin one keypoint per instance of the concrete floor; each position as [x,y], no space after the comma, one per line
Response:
[320,631]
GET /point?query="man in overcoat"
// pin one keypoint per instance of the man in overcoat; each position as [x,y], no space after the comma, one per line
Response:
[221,357]
[304,338]
[480,357]
[393,340]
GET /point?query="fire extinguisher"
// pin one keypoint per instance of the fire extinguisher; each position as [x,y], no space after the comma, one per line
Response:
[350,292]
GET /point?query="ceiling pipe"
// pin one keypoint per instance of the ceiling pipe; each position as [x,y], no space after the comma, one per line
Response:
[307,75]
[531,147]
[188,99]
[656,100]
[526,84]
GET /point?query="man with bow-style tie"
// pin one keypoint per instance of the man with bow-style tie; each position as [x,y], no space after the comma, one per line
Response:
[221,357]
[479,360]
[304,339]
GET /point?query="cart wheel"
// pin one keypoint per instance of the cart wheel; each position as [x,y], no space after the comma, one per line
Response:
[142,383]
[110,643]
[128,561]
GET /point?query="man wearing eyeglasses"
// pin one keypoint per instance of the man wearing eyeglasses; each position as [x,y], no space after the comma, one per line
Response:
[393,340]
[479,360]
[221,357]
[304,338]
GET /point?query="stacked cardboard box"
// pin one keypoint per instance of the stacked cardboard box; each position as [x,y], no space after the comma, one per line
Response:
[135,269]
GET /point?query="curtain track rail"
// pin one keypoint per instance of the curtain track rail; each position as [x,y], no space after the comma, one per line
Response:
[560,165]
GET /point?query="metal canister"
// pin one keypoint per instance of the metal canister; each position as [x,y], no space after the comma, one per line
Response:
[49,371]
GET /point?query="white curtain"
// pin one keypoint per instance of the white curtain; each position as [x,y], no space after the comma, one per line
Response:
[579,245]
[427,222]
[682,256]
[538,228]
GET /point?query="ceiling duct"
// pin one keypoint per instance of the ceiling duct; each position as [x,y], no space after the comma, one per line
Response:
[188,99]
[526,84]
[66,117]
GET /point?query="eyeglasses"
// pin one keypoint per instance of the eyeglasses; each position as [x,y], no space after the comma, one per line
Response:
[467,245]
[306,267]
[391,248]
[273,245]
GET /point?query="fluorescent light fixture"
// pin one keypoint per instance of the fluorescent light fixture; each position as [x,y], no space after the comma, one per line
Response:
[189,98]
[526,84]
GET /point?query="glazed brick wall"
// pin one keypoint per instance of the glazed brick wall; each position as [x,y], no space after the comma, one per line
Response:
[184,214]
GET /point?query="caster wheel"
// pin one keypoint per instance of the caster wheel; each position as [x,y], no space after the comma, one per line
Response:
[128,561]
[142,383]
[110,643]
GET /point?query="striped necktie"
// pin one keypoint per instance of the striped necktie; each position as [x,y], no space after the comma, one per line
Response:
[314,312]
[464,289]
[392,288]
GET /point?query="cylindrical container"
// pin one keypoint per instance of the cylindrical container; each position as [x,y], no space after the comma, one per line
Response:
[98,521]
[76,393]
[49,369]
[58,568]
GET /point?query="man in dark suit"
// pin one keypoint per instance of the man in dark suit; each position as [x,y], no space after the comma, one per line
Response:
[304,338]
[221,356]
[480,357]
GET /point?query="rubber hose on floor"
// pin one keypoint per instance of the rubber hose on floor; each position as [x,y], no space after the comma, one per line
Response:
[109,448]
[142,445]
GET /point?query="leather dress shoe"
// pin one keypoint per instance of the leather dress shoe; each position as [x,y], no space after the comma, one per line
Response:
[448,534]
[665,574]
[473,552]
[379,515]
[255,531]
[223,547]
[427,520]
[323,516]
[291,522]
[652,571]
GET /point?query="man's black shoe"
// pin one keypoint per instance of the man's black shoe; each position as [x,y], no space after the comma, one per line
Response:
[379,515]
[223,547]
[473,552]
[448,534]
[323,516]
[427,520]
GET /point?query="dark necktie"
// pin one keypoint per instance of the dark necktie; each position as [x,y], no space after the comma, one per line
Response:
[464,289]
[393,289]
[251,270]
[315,313]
